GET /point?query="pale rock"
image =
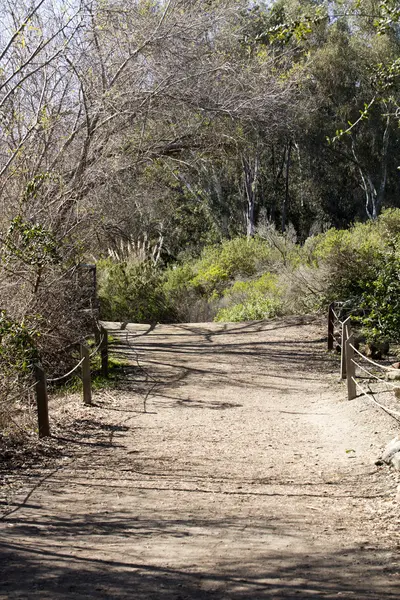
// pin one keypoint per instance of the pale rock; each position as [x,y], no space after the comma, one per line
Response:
[393,375]
[391,449]
[397,498]
[395,461]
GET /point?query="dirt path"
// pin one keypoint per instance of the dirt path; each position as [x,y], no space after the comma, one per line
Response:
[248,476]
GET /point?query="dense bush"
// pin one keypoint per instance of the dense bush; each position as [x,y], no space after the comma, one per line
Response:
[252,300]
[381,301]
[362,267]
[243,279]
[220,264]
[17,353]
[133,292]
[350,260]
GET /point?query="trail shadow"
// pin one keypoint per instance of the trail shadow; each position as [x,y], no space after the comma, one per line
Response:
[213,405]
[215,356]
[53,572]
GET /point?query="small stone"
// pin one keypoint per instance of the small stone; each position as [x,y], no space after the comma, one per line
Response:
[391,449]
[395,461]
[397,498]
[393,375]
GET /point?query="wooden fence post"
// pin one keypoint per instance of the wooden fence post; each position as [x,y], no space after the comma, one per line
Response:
[331,319]
[350,368]
[104,352]
[346,331]
[86,379]
[42,402]
[97,335]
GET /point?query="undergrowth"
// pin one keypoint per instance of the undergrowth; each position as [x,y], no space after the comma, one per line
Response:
[249,279]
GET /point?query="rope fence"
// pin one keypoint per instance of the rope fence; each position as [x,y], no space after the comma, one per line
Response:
[353,361]
[339,333]
[41,381]
[57,379]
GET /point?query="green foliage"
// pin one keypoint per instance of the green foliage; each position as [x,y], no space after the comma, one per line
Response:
[129,291]
[234,282]
[388,225]
[362,266]
[178,278]
[239,257]
[252,300]
[351,259]
[17,344]
[253,309]
[389,15]
[266,284]
[381,300]
[31,243]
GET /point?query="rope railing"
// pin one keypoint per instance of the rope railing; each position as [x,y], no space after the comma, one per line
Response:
[335,326]
[76,367]
[99,345]
[352,359]
[370,394]
[392,413]
[384,367]
[56,379]
[84,363]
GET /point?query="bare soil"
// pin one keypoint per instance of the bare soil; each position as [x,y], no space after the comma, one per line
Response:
[226,464]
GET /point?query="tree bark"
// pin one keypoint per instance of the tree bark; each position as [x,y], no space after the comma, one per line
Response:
[285,202]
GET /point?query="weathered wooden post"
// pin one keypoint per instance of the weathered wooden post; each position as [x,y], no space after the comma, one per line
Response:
[86,379]
[331,321]
[104,351]
[346,331]
[97,335]
[350,368]
[42,402]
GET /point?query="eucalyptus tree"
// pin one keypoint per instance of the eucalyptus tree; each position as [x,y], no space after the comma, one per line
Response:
[201,100]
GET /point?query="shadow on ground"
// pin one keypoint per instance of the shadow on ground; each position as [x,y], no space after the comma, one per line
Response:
[170,358]
[30,571]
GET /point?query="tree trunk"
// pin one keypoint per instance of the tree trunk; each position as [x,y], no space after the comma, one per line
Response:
[250,184]
[373,198]
[285,202]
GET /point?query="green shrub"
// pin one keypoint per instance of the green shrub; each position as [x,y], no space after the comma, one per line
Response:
[252,300]
[266,284]
[388,224]
[247,279]
[133,292]
[381,301]
[253,309]
[220,264]
[17,345]
[178,278]
[351,259]
[182,295]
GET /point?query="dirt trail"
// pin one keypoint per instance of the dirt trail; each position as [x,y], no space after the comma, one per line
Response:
[248,476]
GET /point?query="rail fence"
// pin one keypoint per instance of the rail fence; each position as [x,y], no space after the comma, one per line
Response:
[358,369]
[41,381]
